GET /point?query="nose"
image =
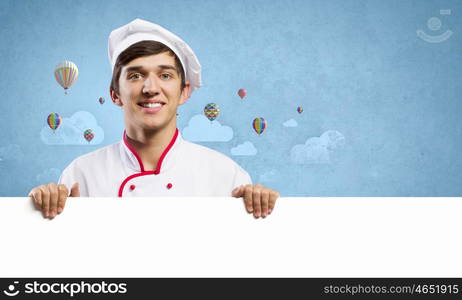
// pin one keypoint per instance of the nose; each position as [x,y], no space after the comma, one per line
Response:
[151,86]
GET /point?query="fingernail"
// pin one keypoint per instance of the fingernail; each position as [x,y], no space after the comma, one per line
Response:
[60,210]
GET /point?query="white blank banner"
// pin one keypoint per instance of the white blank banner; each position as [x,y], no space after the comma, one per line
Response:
[215,237]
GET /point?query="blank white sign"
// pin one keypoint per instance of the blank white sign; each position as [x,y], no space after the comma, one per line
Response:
[202,237]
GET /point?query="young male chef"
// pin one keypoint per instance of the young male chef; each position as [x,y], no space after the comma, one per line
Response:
[154,71]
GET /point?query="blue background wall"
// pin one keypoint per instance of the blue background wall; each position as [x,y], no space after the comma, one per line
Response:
[390,98]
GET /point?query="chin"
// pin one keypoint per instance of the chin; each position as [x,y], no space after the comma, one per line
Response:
[156,124]
[153,125]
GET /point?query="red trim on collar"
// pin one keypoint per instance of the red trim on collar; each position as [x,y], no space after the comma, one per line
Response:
[161,159]
[133,151]
[143,172]
[121,189]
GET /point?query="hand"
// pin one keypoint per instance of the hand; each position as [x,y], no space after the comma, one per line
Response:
[51,198]
[258,199]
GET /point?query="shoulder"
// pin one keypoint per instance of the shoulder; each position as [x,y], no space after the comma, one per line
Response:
[216,169]
[201,152]
[210,159]
[96,157]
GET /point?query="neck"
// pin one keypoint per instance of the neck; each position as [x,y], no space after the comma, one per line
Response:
[150,144]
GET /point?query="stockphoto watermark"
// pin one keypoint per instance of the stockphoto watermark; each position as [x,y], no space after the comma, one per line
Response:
[435,25]
[69,288]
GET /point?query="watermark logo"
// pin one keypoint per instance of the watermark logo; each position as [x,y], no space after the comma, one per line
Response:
[434,24]
[11,290]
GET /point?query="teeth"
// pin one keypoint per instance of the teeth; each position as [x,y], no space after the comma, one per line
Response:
[151,105]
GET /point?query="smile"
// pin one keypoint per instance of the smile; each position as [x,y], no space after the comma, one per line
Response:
[151,105]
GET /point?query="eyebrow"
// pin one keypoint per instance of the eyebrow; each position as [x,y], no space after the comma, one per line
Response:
[139,68]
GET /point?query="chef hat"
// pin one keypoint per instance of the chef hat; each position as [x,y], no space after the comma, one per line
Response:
[140,30]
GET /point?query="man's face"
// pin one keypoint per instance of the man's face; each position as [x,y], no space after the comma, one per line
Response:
[150,92]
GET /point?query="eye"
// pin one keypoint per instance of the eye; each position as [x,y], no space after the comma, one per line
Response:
[165,76]
[134,76]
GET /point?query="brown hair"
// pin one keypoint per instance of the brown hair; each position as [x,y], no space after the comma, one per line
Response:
[143,48]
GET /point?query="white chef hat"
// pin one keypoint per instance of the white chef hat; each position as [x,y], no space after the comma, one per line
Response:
[140,30]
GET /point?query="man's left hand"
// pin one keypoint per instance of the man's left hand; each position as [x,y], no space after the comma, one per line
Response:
[258,199]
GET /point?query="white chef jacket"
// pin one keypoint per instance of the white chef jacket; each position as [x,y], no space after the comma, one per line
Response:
[184,169]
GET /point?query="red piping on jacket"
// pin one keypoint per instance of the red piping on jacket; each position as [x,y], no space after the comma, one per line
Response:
[143,172]
[121,188]
[133,151]
[161,159]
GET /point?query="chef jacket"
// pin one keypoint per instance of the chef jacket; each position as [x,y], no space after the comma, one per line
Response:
[183,169]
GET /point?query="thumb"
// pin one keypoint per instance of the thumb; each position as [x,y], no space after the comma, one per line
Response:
[237,192]
[75,192]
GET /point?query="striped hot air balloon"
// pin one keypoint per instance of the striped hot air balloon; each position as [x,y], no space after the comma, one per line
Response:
[66,74]
[54,120]
[259,125]
[211,111]
[299,109]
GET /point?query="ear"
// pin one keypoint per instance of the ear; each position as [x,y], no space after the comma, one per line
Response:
[185,93]
[115,97]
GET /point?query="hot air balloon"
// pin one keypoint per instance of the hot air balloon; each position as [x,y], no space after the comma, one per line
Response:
[242,93]
[211,111]
[299,109]
[101,100]
[259,125]
[66,74]
[54,120]
[88,135]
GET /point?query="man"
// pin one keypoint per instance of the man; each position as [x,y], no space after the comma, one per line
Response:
[154,72]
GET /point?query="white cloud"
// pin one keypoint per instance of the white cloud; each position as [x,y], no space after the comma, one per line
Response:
[317,150]
[49,175]
[70,132]
[290,123]
[11,152]
[245,149]
[267,177]
[201,129]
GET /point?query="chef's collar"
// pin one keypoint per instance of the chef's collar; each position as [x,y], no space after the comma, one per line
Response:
[131,158]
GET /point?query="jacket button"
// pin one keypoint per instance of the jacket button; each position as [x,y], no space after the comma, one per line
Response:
[169,186]
[132,187]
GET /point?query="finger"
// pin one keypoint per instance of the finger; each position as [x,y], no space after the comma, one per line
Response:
[54,195]
[256,198]
[35,195]
[272,201]
[248,198]
[238,192]
[62,196]
[45,200]
[75,190]
[265,195]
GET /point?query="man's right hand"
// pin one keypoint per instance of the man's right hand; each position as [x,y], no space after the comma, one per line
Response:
[51,198]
